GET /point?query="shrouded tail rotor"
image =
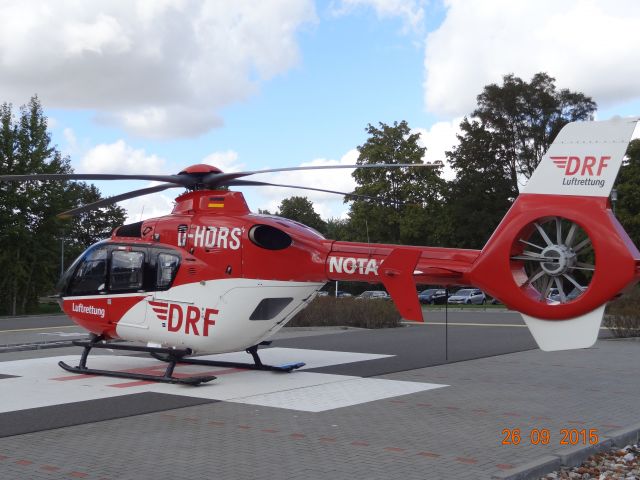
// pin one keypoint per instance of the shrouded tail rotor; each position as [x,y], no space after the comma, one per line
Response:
[554,260]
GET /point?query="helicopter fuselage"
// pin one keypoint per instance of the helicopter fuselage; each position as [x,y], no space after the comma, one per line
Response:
[214,277]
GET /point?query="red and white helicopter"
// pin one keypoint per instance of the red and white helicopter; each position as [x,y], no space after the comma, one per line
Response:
[212,277]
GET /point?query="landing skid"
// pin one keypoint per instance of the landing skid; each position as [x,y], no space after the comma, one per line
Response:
[172,356]
[253,351]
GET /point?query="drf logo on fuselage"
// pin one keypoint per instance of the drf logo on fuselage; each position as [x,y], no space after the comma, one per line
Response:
[177,318]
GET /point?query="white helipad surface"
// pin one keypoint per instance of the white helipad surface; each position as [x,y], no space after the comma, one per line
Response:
[41,382]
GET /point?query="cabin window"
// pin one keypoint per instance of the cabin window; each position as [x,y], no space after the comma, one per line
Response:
[91,275]
[269,308]
[126,270]
[167,266]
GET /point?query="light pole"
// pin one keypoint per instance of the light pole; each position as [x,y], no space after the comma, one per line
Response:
[61,256]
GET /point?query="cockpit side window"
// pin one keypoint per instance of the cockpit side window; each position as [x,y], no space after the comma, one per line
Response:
[91,275]
[127,270]
[167,266]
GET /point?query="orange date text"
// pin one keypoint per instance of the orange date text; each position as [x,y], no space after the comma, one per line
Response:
[544,436]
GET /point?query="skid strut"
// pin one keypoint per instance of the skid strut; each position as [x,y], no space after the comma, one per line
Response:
[170,355]
[253,351]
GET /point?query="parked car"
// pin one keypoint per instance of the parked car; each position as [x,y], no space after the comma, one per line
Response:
[342,294]
[433,296]
[323,293]
[554,294]
[468,296]
[373,295]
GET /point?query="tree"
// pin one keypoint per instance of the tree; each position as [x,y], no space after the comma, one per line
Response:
[337,229]
[410,198]
[627,207]
[29,229]
[501,144]
[301,210]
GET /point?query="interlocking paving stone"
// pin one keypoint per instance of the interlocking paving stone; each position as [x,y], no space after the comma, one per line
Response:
[453,432]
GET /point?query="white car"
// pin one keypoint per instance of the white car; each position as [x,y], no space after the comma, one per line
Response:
[468,296]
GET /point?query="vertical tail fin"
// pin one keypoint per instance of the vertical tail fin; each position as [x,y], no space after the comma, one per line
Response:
[584,159]
[560,254]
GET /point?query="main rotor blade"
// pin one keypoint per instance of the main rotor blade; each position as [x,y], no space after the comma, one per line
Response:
[224,178]
[116,198]
[251,183]
[184,179]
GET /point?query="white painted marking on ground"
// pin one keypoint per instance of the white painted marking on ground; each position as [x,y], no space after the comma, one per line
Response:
[311,358]
[42,382]
[338,394]
[25,393]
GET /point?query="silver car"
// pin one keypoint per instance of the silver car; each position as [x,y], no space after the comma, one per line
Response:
[373,294]
[468,296]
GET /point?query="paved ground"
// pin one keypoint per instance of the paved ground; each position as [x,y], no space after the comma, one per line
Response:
[327,421]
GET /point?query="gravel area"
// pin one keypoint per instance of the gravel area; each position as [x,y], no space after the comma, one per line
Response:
[614,464]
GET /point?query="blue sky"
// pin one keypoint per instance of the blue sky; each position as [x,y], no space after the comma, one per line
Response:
[148,86]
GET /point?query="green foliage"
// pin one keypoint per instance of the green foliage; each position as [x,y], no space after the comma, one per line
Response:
[29,229]
[623,315]
[410,198]
[348,312]
[336,229]
[301,210]
[628,187]
[501,144]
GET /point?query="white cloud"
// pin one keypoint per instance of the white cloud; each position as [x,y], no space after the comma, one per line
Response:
[226,161]
[150,206]
[410,11]
[438,139]
[326,204]
[118,157]
[157,68]
[588,46]
[71,141]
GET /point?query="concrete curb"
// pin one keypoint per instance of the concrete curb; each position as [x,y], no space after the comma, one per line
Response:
[571,457]
[533,469]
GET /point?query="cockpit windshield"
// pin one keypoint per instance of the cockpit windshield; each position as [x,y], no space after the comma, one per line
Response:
[113,268]
[91,276]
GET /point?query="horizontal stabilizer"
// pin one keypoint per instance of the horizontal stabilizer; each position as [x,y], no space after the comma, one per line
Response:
[578,332]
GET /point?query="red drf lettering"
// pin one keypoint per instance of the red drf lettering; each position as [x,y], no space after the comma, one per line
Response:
[176,318]
[175,314]
[586,166]
[208,321]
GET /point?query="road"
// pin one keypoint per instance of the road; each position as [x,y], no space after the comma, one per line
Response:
[458,316]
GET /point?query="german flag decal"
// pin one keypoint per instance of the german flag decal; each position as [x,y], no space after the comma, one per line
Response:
[216,202]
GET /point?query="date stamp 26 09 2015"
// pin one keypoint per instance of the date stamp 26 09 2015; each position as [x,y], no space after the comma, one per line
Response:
[544,436]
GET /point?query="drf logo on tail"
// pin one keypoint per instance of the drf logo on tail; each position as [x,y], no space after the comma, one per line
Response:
[176,318]
[587,166]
